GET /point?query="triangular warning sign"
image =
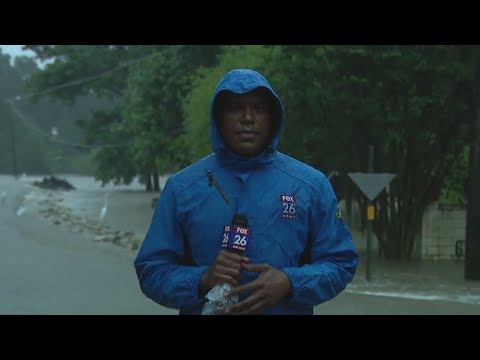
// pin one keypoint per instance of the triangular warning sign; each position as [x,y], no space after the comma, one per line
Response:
[371,184]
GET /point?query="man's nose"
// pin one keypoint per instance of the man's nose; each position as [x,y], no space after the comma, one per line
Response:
[248,113]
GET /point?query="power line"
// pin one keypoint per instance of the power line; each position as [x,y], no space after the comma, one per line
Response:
[36,129]
[84,80]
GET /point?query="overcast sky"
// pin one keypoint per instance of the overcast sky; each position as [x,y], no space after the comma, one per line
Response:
[15,50]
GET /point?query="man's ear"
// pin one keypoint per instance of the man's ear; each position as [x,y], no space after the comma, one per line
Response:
[275,116]
[218,108]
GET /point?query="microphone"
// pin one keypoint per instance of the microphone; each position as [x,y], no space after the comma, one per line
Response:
[237,235]
[235,238]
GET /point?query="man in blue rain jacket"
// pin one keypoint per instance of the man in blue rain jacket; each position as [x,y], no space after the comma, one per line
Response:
[300,253]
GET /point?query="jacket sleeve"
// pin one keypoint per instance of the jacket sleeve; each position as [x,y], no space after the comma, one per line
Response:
[161,275]
[333,256]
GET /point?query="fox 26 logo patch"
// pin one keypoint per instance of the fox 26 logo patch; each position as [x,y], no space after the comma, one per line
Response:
[288,206]
[236,237]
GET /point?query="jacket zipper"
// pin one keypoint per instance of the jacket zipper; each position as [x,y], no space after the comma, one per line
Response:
[212,180]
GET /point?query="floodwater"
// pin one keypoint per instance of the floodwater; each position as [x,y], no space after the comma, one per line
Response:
[408,288]
[58,260]
[58,257]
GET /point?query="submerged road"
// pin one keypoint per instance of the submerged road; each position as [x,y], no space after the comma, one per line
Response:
[48,269]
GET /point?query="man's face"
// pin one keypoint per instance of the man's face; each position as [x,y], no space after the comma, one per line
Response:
[245,121]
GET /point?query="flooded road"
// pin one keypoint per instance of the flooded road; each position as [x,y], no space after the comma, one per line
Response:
[408,288]
[46,268]
[57,257]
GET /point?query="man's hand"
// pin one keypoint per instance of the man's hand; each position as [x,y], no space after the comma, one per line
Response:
[225,269]
[271,286]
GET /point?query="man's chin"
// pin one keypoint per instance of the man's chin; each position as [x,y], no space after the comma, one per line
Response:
[249,151]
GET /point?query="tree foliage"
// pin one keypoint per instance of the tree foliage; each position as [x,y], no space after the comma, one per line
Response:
[413,103]
[29,126]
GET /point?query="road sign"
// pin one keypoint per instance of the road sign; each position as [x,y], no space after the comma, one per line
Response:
[371,184]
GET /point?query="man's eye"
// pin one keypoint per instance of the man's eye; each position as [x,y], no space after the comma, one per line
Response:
[234,106]
[260,107]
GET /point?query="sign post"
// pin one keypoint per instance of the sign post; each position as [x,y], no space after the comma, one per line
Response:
[371,185]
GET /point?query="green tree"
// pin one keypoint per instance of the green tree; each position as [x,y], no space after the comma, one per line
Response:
[153,106]
[411,102]
[102,71]
[143,82]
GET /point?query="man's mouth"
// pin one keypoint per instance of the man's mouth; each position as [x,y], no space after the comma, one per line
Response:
[247,135]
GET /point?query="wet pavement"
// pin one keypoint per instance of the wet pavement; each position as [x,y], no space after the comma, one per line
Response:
[46,268]
[408,288]
[57,258]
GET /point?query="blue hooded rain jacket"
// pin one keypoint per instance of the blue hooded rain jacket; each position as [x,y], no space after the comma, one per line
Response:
[291,209]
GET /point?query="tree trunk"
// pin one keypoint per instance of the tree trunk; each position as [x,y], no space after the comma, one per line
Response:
[397,226]
[156,182]
[472,238]
[148,182]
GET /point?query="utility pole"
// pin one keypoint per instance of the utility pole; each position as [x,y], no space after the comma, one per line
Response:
[13,142]
[371,184]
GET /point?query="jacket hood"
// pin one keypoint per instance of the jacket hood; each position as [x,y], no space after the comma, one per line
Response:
[241,81]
